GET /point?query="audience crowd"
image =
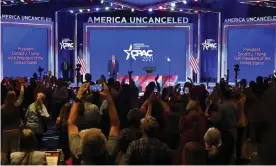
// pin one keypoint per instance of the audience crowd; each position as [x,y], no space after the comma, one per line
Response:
[118,126]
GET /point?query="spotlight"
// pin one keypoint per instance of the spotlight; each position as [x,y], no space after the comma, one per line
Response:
[172,9]
[150,9]
[196,11]
[102,1]
[80,10]
[185,2]
[132,10]
[88,10]
[22,1]
[71,11]
[160,7]
[12,1]
[106,8]
[111,4]
[173,4]
[4,2]
[97,9]
[195,0]
[181,10]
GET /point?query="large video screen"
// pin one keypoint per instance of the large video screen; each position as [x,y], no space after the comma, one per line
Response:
[136,48]
[24,49]
[253,48]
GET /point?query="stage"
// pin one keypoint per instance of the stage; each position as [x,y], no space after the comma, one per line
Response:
[178,45]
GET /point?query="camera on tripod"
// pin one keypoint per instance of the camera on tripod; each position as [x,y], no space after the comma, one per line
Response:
[78,67]
[236,67]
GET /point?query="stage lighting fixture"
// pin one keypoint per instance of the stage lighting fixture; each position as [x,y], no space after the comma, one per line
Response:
[132,10]
[160,7]
[195,0]
[71,11]
[102,1]
[150,9]
[106,8]
[12,1]
[88,10]
[80,10]
[4,2]
[181,10]
[185,2]
[172,9]
[22,1]
[97,9]
[173,4]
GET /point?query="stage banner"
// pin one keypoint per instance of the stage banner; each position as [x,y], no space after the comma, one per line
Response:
[209,47]
[169,80]
[26,46]
[252,47]
[65,46]
[136,47]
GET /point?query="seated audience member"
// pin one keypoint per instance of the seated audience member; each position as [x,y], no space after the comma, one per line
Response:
[131,133]
[36,118]
[193,154]
[28,154]
[148,150]
[10,121]
[90,146]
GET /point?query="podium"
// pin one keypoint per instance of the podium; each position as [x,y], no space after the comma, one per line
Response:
[149,70]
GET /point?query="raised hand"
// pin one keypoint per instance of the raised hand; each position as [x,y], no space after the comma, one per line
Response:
[106,94]
[83,89]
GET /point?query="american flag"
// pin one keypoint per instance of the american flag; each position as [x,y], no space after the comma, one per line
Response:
[194,64]
[81,60]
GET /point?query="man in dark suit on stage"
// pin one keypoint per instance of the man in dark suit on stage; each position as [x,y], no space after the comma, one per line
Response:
[113,68]
[65,70]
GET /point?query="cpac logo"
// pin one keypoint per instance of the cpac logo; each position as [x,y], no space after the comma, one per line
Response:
[133,53]
[209,44]
[66,44]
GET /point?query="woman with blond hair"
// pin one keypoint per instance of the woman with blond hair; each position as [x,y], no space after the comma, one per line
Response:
[216,150]
[28,154]
[36,118]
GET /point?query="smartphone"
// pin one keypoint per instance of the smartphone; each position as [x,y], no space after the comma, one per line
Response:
[155,90]
[71,101]
[186,90]
[96,88]
[181,90]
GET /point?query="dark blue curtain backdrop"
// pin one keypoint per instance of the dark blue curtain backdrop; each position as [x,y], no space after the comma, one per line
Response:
[65,30]
[209,58]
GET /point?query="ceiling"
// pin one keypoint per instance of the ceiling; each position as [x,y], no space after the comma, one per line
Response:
[138,4]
